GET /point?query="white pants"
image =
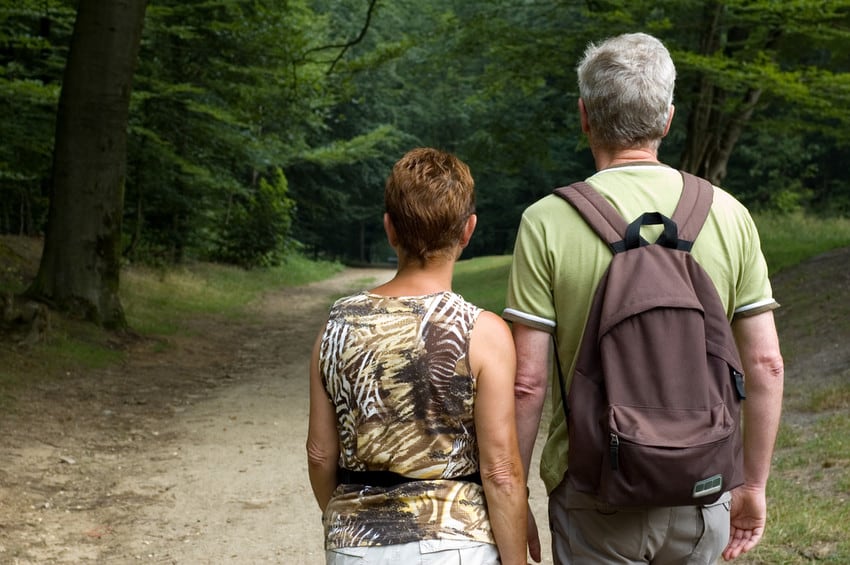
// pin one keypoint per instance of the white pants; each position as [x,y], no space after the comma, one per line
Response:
[426,552]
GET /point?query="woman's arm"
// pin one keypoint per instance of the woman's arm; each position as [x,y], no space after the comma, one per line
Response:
[322,437]
[493,360]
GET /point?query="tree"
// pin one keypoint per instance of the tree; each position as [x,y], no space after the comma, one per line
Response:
[79,269]
[332,92]
[225,96]
[752,56]
[342,175]
[745,67]
[34,36]
[258,235]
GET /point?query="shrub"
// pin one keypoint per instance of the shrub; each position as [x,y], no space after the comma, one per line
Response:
[258,231]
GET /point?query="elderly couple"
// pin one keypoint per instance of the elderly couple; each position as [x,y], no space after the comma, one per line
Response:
[424,408]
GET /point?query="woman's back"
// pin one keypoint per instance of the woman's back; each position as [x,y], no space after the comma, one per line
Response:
[412,415]
[397,372]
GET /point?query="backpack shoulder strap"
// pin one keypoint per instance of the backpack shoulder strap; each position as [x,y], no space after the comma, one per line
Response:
[692,209]
[689,216]
[597,212]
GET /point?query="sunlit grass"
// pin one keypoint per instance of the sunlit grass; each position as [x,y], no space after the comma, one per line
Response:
[789,239]
[483,281]
[155,300]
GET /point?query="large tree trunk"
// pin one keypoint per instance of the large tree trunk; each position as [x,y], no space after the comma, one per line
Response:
[79,270]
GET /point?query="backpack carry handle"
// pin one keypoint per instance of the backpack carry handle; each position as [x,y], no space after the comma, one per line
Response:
[688,217]
[668,238]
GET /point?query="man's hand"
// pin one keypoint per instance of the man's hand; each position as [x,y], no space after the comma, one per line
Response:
[747,517]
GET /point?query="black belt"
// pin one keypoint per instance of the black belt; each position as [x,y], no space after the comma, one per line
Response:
[390,479]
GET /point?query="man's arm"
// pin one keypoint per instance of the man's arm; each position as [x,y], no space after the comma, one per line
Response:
[758,345]
[532,376]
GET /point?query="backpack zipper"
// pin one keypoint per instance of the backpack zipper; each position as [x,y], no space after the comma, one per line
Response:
[614,447]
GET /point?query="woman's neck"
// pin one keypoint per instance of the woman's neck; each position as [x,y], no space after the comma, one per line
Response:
[415,278]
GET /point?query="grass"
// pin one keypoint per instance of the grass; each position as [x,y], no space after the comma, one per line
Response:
[788,239]
[156,300]
[809,494]
[155,303]
[835,396]
[71,346]
[483,281]
[70,349]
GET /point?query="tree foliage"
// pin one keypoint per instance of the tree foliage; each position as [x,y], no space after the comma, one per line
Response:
[34,38]
[233,97]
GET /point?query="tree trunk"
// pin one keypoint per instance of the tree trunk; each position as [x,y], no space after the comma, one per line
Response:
[713,134]
[704,118]
[719,116]
[715,167]
[79,270]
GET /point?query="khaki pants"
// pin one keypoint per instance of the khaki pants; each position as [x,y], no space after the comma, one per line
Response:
[587,531]
[427,552]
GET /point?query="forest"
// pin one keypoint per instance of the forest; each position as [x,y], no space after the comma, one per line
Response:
[245,131]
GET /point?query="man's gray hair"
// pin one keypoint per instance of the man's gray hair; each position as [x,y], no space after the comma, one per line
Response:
[626,83]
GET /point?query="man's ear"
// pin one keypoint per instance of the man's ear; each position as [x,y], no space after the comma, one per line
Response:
[389,228]
[468,229]
[669,119]
[582,111]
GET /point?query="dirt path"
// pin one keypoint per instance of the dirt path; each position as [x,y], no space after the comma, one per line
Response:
[192,451]
[188,454]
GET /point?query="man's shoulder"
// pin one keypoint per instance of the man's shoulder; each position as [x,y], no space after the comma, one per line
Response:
[544,204]
[725,201]
[633,190]
[549,210]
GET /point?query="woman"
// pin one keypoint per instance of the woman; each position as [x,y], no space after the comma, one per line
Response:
[412,445]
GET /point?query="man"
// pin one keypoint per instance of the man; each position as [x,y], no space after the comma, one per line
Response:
[626,88]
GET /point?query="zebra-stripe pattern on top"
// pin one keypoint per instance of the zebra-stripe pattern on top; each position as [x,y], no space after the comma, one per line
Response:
[396,370]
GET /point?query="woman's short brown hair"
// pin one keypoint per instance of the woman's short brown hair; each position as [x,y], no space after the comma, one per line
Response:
[429,196]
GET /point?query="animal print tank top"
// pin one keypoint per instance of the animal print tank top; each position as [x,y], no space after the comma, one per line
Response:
[397,372]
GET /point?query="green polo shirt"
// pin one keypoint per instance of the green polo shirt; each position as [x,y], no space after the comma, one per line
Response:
[558,261]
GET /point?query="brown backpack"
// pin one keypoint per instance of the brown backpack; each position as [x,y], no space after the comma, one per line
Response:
[653,410]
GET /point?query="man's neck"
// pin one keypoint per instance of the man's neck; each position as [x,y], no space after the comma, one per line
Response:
[605,159]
